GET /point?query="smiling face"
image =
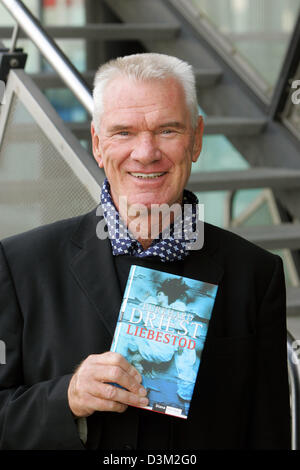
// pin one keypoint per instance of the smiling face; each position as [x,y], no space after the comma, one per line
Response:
[146,144]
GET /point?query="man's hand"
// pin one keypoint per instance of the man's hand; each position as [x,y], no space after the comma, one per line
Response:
[90,391]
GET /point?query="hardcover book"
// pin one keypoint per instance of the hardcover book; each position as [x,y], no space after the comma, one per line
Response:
[161,331]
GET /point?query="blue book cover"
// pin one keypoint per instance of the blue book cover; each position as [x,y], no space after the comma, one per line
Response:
[161,331]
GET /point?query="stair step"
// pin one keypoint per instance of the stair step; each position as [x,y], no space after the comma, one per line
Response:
[107,31]
[271,237]
[259,177]
[204,77]
[233,126]
[293,301]
[227,126]
[52,80]
[207,77]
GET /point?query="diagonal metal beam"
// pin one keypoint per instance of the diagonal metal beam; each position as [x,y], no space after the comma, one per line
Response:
[107,31]
[259,177]
[272,236]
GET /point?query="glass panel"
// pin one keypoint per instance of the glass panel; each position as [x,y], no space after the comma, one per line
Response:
[75,51]
[259,30]
[66,13]
[62,99]
[63,12]
[7,20]
[66,105]
[36,185]
[217,154]
[261,214]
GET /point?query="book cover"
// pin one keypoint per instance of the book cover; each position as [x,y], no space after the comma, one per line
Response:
[161,330]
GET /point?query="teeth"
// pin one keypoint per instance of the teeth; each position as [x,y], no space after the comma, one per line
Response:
[149,175]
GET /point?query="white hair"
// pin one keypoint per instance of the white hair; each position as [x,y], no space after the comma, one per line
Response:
[143,67]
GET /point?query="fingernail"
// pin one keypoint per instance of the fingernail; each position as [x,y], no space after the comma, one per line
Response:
[138,378]
[142,391]
[144,401]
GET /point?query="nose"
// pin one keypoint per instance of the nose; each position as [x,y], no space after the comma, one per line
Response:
[145,149]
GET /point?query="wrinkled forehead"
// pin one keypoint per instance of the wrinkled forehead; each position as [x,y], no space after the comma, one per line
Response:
[126,92]
[144,103]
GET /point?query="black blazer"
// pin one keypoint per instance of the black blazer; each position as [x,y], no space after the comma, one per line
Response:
[59,301]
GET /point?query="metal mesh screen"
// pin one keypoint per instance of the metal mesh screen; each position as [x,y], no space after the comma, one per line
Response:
[36,185]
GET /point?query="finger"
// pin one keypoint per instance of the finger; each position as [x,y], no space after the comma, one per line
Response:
[116,359]
[112,393]
[101,404]
[116,375]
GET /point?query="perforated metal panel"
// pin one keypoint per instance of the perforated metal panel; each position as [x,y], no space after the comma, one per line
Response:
[37,186]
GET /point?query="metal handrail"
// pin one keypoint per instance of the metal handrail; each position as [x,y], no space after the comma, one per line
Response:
[294,381]
[51,52]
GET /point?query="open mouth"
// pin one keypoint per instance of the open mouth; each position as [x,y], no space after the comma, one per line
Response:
[147,175]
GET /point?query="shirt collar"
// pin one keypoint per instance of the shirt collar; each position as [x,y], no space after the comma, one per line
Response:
[172,243]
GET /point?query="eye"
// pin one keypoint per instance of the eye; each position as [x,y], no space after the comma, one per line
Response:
[123,133]
[167,131]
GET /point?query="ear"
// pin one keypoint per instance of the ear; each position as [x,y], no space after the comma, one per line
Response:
[198,138]
[96,146]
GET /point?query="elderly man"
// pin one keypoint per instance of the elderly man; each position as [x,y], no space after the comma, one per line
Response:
[62,285]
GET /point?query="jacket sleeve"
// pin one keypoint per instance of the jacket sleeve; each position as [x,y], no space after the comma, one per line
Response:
[35,416]
[270,423]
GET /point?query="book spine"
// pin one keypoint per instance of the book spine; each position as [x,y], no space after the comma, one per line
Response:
[116,337]
[126,293]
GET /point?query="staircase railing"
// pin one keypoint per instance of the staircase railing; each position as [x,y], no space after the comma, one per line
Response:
[50,50]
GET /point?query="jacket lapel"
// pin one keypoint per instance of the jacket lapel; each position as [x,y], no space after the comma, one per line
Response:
[204,265]
[93,268]
[201,264]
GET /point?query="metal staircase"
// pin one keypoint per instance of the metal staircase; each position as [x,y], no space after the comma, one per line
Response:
[232,102]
